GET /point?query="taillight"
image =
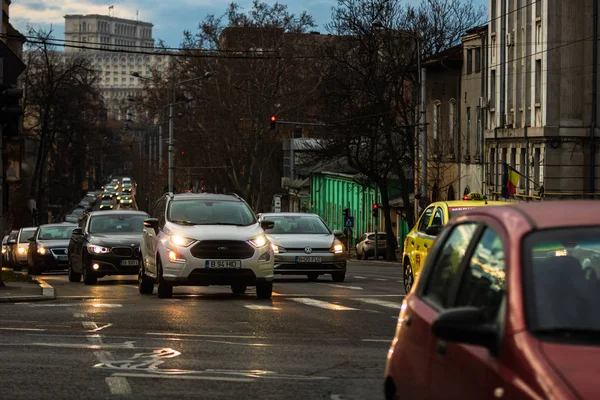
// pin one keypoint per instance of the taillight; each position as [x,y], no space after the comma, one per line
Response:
[367,242]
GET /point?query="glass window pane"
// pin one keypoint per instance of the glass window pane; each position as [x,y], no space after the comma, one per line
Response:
[424,223]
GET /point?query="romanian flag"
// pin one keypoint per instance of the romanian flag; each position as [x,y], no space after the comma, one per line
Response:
[510,181]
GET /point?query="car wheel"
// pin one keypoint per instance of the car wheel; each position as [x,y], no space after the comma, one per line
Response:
[359,256]
[165,291]
[238,289]
[338,276]
[89,278]
[73,276]
[264,290]
[408,277]
[312,276]
[145,283]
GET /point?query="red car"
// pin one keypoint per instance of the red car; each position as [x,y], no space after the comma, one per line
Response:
[507,307]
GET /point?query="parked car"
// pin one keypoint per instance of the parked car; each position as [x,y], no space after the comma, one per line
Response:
[504,308]
[205,239]
[365,246]
[11,248]
[22,245]
[71,218]
[105,243]
[4,251]
[303,244]
[48,248]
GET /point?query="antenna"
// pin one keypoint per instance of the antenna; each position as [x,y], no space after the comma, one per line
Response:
[137,15]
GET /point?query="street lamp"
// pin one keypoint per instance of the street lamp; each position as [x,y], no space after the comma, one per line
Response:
[207,75]
[421,94]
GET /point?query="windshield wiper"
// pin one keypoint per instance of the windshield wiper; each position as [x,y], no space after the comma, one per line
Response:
[182,222]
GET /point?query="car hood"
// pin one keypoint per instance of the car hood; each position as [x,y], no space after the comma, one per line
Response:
[575,363]
[214,232]
[53,244]
[320,241]
[112,239]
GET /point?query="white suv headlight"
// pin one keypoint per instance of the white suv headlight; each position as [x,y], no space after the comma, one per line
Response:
[259,241]
[92,248]
[180,241]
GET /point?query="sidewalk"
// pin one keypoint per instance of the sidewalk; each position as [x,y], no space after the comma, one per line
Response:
[16,291]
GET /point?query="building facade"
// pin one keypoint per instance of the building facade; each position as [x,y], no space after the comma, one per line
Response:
[105,40]
[542,97]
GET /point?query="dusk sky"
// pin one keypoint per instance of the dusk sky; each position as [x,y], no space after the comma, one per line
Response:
[170,18]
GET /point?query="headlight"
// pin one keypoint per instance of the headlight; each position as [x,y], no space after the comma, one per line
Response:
[337,247]
[111,206]
[21,250]
[181,241]
[41,250]
[259,241]
[122,201]
[3,250]
[92,248]
[277,249]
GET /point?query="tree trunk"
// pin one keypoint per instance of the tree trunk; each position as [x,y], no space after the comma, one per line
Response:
[389,231]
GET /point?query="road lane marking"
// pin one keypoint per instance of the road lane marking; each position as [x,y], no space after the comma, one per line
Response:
[100,305]
[378,302]
[322,304]
[381,280]
[360,277]
[338,295]
[198,335]
[80,315]
[187,377]
[118,385]
[24,329]
[378,340]
[261,307]
[343,286]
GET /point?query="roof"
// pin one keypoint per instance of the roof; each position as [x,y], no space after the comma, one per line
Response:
[453,54]
[474,203]
[206,196]
[58,224]
[117,212]
[289,214]
[557,214]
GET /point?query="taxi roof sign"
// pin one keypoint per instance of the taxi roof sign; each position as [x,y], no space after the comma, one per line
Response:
[474,196]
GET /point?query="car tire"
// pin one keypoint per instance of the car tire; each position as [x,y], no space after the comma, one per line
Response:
[264,290]
[238,289]
[165,291]
[338,276]
[359,256]
[89,278]
[145,283]
[73,276]
[313,276]
[409,277]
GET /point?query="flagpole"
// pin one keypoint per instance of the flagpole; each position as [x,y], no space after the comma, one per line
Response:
[535,185]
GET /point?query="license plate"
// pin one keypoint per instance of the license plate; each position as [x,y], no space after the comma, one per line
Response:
[309,259]
[229,264]
[127,263]
[62,258]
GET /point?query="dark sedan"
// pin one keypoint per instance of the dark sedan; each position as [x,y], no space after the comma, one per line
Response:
[48,248]
[106,243]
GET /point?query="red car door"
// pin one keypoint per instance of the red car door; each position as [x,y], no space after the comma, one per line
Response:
[461,371]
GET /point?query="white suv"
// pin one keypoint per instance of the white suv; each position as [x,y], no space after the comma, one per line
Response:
[205,239]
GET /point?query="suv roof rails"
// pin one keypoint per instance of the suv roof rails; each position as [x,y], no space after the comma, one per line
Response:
[235,195]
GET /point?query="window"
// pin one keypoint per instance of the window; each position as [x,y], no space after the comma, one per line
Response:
[438,217]
[483,283]
[468,120]
[469,61]
[478,130]
[200,212]
[451,122]
[492,88]
[84,27]
[523,168]
[424,223]
[436,116]
[538,81]
[302,225]
[493,16]
[445,268]
[478,60]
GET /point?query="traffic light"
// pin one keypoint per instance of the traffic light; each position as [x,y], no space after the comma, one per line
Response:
[346,212]
[375,210]
[273,122]
[10,111]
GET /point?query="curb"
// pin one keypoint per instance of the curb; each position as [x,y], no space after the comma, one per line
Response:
[48,293]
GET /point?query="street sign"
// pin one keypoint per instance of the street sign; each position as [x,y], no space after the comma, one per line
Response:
[348,222]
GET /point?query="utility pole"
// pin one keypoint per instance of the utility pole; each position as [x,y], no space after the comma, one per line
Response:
[423,125]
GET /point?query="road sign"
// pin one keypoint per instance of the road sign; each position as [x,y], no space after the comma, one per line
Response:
[348,222]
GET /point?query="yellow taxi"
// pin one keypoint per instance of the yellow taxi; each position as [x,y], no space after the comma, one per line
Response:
[419,240]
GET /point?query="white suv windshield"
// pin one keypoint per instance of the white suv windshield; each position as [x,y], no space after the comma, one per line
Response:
[207,212]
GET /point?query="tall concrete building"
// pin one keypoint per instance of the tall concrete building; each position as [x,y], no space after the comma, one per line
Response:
[542,97]
[117,48]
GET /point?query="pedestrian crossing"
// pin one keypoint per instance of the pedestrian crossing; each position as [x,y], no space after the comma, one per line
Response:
[370,304]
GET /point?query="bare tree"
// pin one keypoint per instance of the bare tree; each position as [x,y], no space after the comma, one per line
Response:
[370,90]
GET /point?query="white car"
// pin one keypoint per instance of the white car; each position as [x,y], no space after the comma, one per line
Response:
[204,240]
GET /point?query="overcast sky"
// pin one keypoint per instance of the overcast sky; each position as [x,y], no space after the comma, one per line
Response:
[170,18]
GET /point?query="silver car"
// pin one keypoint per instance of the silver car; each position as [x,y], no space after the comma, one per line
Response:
[304,245]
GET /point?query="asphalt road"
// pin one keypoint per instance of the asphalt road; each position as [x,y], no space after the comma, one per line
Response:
[312,340]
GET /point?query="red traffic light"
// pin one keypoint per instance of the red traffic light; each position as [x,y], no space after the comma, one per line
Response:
[273,118]
[375,206]
[183,153]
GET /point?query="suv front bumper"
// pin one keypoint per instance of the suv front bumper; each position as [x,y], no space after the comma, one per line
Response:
[193,271]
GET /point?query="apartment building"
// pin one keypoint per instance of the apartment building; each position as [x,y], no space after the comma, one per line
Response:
[541,105]
[104,39]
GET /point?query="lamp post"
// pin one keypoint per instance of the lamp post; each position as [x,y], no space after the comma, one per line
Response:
[421,93]
[171,148]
